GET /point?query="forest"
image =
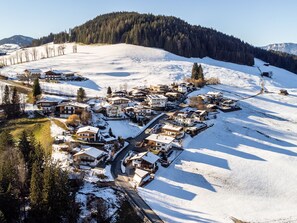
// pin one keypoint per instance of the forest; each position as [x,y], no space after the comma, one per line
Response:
[171,34]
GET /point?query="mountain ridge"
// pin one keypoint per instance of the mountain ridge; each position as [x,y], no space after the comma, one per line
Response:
[290,48]
[22,41]
[171,34]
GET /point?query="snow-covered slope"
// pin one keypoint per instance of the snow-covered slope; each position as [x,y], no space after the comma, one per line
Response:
[9,48]
[283,47]
[113,65]
[243,167]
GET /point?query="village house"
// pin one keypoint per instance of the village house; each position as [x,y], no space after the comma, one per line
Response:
[47,106]
[141,177]
[53,75]
[172,130]
[114,111]
[182,88]
[184,118]
[160,88]
[173,96]
[215,95]
[145,160]
[138,111]
[89,156]
[119,94]
[157,101]
[228,105]
[159,143]
[32,74]
[66,109]
[121,101]
[138,95]
[88,134]
[59,75]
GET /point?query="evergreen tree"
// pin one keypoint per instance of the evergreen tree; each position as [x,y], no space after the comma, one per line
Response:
[36,88]
[195,72]
[110,132]
[109,91]
[200,73]
[36,187]
[15,101]
[25,146]
[6,96]
[6,140]
[81,95]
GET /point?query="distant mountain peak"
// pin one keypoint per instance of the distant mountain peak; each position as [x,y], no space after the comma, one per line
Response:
[20,40]
[290,48]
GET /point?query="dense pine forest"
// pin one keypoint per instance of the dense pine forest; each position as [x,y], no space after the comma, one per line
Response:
[171,34]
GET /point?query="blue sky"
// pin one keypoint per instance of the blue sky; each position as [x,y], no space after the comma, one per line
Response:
[258,22]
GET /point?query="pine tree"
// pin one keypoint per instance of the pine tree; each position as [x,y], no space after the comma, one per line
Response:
[6,140]
[200,73]
[15,101]
[109,91]
[36,88]
[195,71]
[110,132]
[24,146]
[6,96]
[81,95]
[36,186]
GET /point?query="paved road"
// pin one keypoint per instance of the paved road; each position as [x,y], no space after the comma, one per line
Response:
[122,180]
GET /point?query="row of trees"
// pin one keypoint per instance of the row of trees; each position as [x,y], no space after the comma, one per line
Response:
[34,53]
[27,176]
[169,33]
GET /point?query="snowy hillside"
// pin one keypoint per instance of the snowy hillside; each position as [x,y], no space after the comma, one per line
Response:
[243,167]
[113,65]
[9,48]
[283,47]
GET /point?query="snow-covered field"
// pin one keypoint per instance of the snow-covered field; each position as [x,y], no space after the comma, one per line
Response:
[116,65]
[243,167]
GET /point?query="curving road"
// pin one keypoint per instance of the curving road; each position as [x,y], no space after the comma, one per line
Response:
[122,180]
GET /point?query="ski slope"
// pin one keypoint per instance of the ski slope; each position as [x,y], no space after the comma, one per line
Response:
[242,167]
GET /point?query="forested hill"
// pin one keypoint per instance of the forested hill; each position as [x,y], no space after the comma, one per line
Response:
[171,34]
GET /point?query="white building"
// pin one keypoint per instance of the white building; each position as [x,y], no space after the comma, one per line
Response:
[182,88]
[88,133]
[141,176]
[89,156]
[157,101]
[159,142]
[145,160]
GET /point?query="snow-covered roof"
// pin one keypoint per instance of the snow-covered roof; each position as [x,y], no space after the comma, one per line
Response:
[172,127]
[160,138]
[74,104]
[119,98]
[141,173]
[33,71]
[215,93]
[88,129]
[91,151]
[147,156]
[156,96]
